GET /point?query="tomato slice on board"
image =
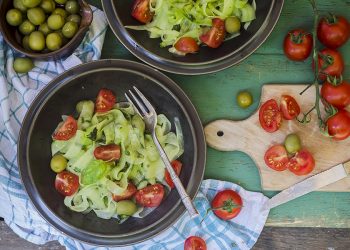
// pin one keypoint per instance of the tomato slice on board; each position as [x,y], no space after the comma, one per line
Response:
[227,204]
[302,163]
[105,100]
[141,11]
[66,183]
[66,129]
[216,35]
[289,107]
[109,152]
[276,158]
[150,196]
[270,116]
[339,125]
[186,45]
[195,243]
[177,166]
[127,194]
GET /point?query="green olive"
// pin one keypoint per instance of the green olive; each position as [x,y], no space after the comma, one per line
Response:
[244,99]
[22,65]
[48,5]
[44,28]
[25,43]
[292,143]
[55,21]
[58,163]
[37,41]
[74,18]
[31,3]
[126,207]
[26,27]
[232,24]
[60,11]
[14,17]
[61,1]
[70,29]
[53,41]
[18,4]
[36,15]
[72,7]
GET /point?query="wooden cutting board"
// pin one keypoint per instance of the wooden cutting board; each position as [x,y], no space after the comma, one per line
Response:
[248,136]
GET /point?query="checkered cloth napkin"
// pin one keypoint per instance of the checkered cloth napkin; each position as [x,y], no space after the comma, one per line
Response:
[16,94]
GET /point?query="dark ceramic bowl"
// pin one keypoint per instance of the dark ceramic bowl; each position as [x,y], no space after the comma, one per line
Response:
[207,60]
[60,97]
[13,37]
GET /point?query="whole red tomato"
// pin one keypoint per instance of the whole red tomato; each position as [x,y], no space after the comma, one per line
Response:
[333,31]
[336,93]
[227,204]
[297,45]
[195,243]
[339,125]
[330,62]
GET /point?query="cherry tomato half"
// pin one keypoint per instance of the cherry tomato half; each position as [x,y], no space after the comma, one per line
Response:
[339,125]
[227,204]
[195,243]
[337,93]
[109,152]
[177,165]
[270,116]
[186,45]
[105,100]
[150,196]
[333,31]
[276,158]
[127,194]
[297,45]
[141,11]
[302,163]
[66,183]
[330,63]
[289,107]
[216,35]
[66,129]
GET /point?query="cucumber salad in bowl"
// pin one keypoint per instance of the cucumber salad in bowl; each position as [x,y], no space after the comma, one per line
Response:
[186,24]
[106,163]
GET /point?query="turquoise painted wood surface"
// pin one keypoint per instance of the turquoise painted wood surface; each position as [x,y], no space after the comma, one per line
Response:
[214,97]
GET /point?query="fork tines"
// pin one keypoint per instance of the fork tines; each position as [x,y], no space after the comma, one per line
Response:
[140,103]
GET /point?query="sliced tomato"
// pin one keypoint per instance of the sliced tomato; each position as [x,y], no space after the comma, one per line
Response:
[302,163]
[186,45]
[339,125]
[227,204]
[270,116]
[66,183]
[289,107]
[216,35]
[66,129]
[109,152]
[195,243]
[127,194]
[276,158]
[141,11]
[150,196]
[105,100]
[177,165]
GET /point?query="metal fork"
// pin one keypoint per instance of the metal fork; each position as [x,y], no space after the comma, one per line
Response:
[144,108]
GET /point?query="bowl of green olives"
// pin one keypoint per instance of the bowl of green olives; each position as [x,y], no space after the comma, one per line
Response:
[45,29]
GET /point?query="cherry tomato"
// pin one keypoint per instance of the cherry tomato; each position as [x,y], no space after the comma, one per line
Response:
[331,63]
[127,194]
[333,31]
[302,163]
[105,100]
[66,183]
[109,152]
[289,107]
[297,45]
[186,45]
[339,125]
[150,196]
[276,158]
[66,129]
[195,243]
[216,35]
[227,204]
[270,116]
[336,93]
[141,11]
[177,165]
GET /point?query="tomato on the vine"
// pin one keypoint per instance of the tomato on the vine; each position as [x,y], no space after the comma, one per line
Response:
[276,158]
[331,63]
[336,93]
[339,125]
[297,45]
[302,163]
[333,31]
[289,107]
[227,204]
[270,116]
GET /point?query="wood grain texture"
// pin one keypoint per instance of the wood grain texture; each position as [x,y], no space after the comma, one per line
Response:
[248,136]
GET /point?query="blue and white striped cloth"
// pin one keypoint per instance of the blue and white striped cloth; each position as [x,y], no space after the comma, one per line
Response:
[16,94]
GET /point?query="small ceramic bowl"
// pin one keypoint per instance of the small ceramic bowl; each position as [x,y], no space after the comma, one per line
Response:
[14,38]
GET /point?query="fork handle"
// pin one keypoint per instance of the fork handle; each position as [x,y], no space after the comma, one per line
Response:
[186,200]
